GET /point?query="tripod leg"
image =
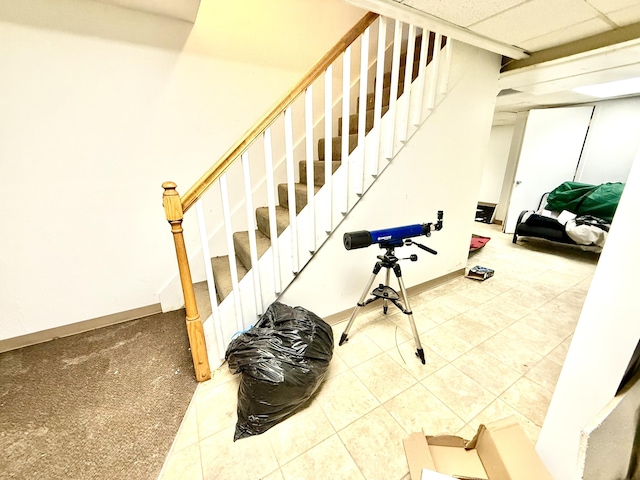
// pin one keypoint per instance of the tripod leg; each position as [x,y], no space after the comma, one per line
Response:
[360,304]
[405,300]
[385,302]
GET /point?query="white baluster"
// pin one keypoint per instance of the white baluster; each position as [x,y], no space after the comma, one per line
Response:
[311,204]
[291,187]
[435,66]
[206,255]
[226,213]
[446,67]
[328,145]
[346,124]
[393,95]
[377,109]
[419,96]
[362,108]
[271,205]
[251,225]
[408,76]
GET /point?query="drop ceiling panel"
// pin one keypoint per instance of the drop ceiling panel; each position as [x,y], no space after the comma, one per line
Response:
[608,6]
[568,34]
[534,19]
[626,16]
[464,12]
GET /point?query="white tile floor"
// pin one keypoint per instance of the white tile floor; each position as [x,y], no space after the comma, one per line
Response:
[493,349]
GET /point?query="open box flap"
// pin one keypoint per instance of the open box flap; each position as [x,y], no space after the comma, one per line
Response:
[507,453]
[447,441]
[418,455]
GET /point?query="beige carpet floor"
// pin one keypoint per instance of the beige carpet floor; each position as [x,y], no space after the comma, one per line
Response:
[105,404]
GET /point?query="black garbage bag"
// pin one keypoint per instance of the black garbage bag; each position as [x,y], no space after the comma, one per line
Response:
[283,359]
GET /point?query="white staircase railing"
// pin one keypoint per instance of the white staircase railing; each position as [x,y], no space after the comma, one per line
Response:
[379,114]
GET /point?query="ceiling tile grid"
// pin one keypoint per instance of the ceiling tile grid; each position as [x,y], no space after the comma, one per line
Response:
[626,16]
[608,6]
[465,12]
[534,19]
[568,34]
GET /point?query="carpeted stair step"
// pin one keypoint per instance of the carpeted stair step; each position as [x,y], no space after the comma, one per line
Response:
[416,54]
[416,59]
[262,219]
[418,48]
[336,147]
[243,249]
[318,171]
[414,74]
[353,121]
[386,94]
[386,80]
[222,275]
[300,192]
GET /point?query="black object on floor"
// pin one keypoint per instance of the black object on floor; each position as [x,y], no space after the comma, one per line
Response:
[283,359]
[484,213]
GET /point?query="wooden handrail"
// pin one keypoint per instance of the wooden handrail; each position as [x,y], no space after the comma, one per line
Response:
[214,173]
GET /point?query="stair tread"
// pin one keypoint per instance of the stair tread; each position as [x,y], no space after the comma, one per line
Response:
[243,248]
[318,171]
[222,275]
[301,186]
[336,150]
[353,120]
[262,218]
[386,95]
[300,190]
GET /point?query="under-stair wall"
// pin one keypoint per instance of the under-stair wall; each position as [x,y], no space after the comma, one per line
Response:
[440,168]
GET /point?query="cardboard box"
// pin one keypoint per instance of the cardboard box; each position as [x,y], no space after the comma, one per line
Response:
[499,451]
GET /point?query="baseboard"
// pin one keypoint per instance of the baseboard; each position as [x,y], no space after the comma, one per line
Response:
[497,222]
[415,290]
[79,327]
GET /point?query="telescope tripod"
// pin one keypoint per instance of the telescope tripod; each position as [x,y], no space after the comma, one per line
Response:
[388,294]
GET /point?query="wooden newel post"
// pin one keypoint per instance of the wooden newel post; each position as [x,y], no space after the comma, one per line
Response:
[173,210]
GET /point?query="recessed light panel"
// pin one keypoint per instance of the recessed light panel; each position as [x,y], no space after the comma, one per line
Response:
[618,88]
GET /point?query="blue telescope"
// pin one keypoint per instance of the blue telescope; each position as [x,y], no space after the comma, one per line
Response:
[389,237]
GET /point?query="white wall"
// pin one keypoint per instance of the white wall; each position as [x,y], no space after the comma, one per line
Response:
[496,163]
[609,441]
[181,9]
[101,105]
[612,142]
[604,341]
[423,178]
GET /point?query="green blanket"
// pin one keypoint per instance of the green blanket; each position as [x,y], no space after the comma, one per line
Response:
[584,199]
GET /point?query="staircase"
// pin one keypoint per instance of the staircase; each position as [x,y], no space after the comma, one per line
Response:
[221,264]
[393,93]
